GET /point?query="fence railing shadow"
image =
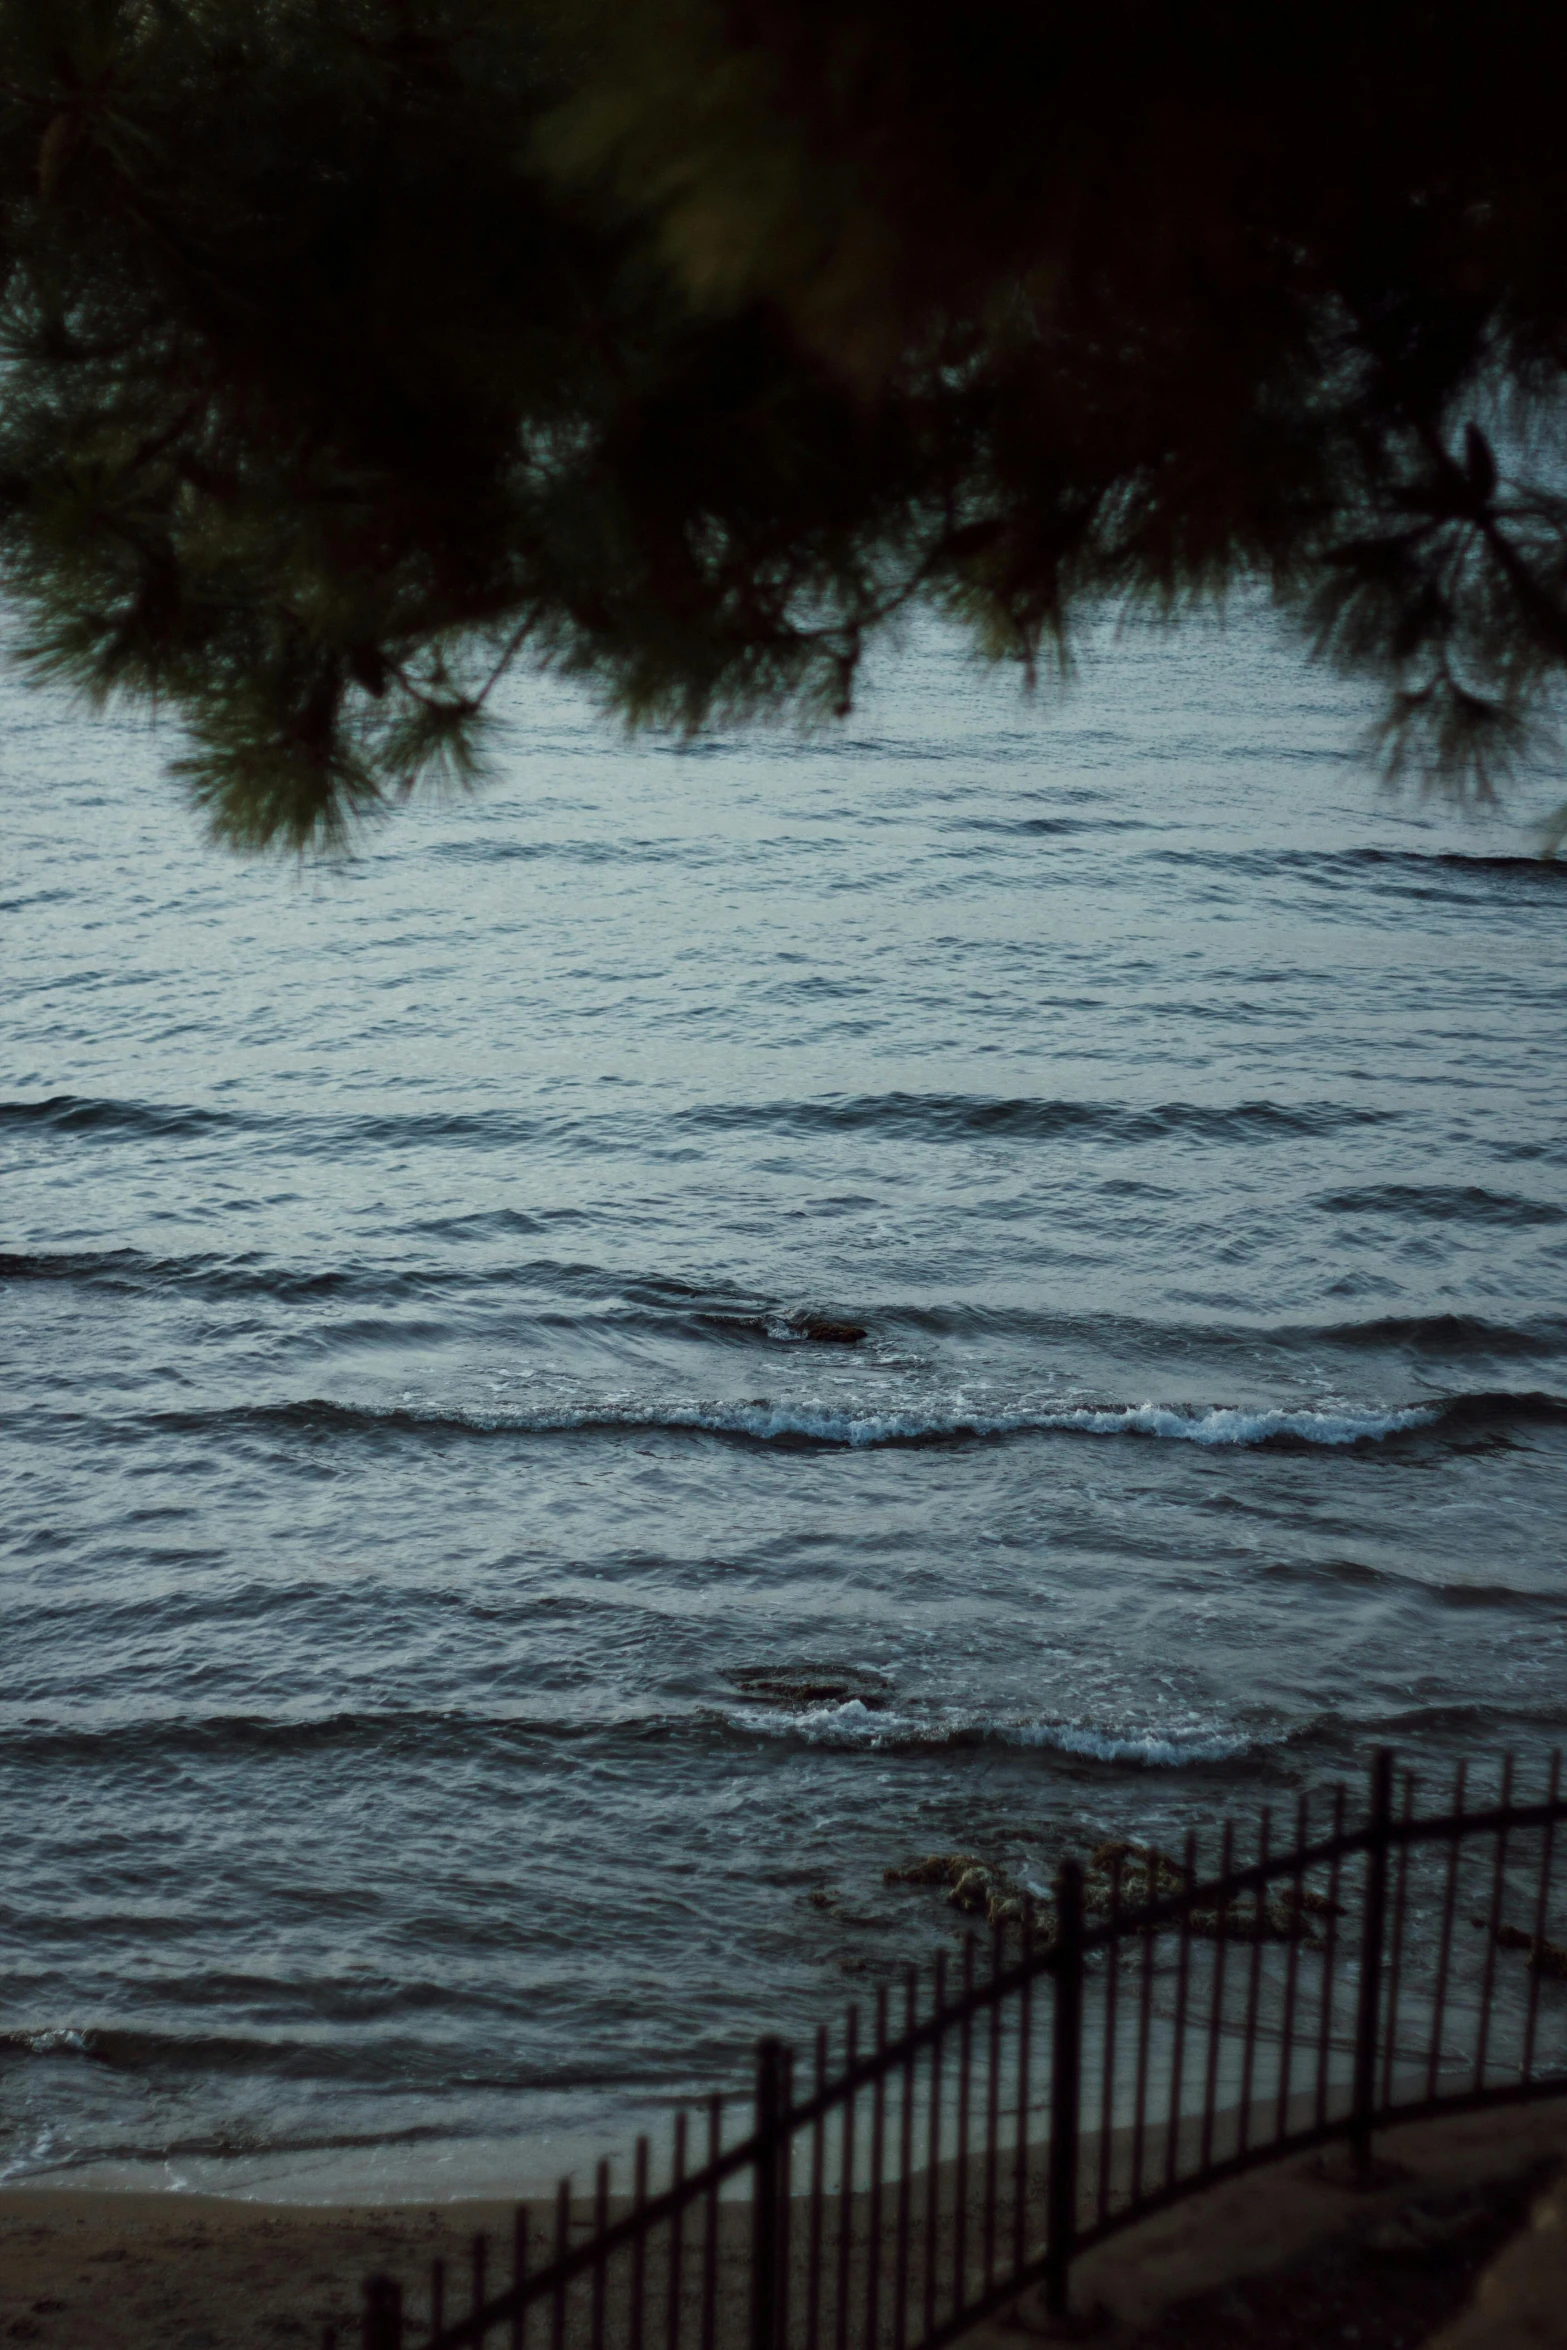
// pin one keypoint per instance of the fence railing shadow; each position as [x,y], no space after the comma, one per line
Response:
[1148,2031]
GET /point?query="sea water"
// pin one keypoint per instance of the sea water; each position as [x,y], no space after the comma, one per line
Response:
[476,1634]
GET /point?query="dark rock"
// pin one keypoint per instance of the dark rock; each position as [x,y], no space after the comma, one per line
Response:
[937,1868]
[822,1330]
[973,1891]
[1545,1957]
[799,1687]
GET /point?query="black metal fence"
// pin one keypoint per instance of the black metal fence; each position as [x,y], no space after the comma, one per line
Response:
[1147,2031]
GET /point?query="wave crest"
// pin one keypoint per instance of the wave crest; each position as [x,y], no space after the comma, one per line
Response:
[858,1429]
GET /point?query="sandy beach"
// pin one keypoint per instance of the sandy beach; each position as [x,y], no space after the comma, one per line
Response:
[102,2271]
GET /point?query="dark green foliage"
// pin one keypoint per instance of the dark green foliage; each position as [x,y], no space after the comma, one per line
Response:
[355,348]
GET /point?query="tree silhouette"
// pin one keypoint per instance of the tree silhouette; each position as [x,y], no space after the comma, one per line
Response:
[355,349]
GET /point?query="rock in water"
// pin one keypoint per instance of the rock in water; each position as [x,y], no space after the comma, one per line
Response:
[822,1330]
[799,1687]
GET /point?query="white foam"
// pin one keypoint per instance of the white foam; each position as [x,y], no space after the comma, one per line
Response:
[1217,1425]
[1224,1424]
[852,1723]
[47,2041]
[1152,1748]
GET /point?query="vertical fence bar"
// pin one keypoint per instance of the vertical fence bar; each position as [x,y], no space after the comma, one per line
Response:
[519,2276]
[764,2194]
[840,2315]
[1254,1984]
[562,2247]
[1144,2024]
[600,2223]
[1066,2060]
[813,2272]
[1541,1918]
[437,2299]
[1373,1927]
[1210,2090]
[1292,1975]
[1025,2052]
[1493,1927]
[1107,2069]
[1445,1948]
[1329,1962]
[382,2323]
[900,2288]
[786,2201]
[479,2263]
[960,2165]
[873,2245]
[992,2108]
[1395,1964]
[1183,1966]
[635,2318]
[715,2144]
[933,2140]
[674,2301]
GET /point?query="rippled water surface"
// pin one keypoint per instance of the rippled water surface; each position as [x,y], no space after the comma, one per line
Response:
[478,1625]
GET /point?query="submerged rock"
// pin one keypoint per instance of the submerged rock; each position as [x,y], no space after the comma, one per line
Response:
[817,1329]
[1124,1876]
[1146,1874]
[798,1688]
[1545,1956]
[822,1329]
[977,1888]
[937,1868]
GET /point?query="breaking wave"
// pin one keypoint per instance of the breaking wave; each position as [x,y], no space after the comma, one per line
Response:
[858,1429]
[962,1117]
[854,1724]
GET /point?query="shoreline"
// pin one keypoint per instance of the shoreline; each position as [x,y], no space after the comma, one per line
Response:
[133,2270]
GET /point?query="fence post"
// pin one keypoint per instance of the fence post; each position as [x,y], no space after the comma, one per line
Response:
[383,2314]
[1065,2072]
[764,2208]
[1371,1939]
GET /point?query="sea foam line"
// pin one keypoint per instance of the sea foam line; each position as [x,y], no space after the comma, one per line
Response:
[852,1723]
[768,1423]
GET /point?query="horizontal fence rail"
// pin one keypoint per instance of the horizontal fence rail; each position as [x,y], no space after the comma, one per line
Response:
[1147,2031]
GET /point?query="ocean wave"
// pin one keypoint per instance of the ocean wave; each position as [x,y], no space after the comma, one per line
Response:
[967,1117]
[869,1720]
[129,1270]
[69,1113]
[1486,1732]
[1549,869]
[1048,827]
[427,1731]
[1359,1575]
[94,1115]
[897,1116]
[853,1723]
[128,2050]
[1445,1334]
[595,1298]
[847,1428]
[49,2160]
[373,2061]
[1444,1203]
[1410,873]
[1151,1749]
